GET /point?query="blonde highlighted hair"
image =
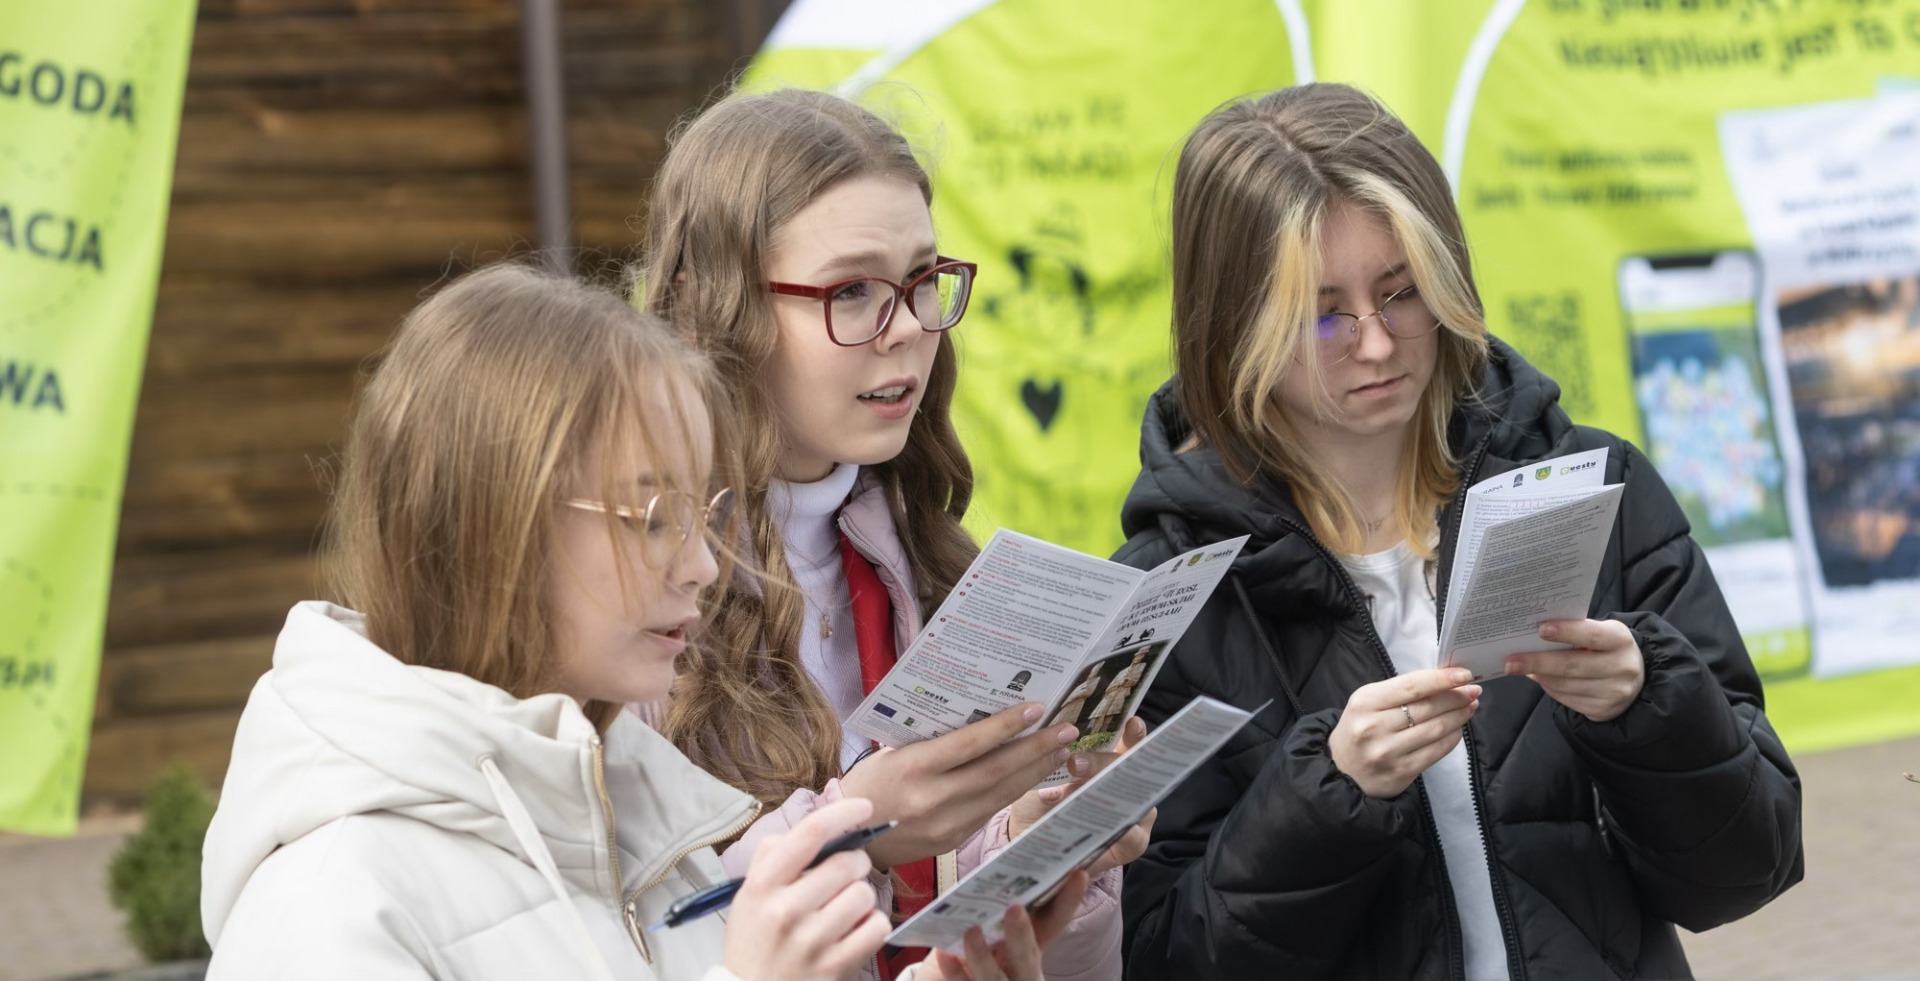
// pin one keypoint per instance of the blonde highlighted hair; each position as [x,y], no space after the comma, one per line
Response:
[746,709]
[1254,186]
[487,411]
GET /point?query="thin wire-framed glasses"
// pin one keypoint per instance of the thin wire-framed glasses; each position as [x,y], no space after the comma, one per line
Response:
[1403,313]
[669,520]
[858,310]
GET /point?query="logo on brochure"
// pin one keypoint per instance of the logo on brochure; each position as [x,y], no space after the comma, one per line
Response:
[1019,682]
[1194,560]
[910,721]
[1519,479]
[1543,473]
[1576,468]
[922,691]
[884,709]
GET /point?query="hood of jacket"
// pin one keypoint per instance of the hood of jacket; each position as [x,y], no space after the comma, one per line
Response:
[1513,415]
[340,728]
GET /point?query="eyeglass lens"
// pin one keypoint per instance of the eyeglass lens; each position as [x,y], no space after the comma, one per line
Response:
[859,311]
[673,516]
[1403,314]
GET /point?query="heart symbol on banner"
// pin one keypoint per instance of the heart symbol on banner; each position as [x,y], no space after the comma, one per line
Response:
[1044,403]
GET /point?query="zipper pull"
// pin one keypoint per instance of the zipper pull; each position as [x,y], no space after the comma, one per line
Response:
[630,913]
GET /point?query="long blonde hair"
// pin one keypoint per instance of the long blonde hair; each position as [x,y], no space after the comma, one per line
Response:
[1255,183]
[480,419]
[746,710]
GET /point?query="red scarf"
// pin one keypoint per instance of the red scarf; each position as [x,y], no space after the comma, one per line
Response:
[916,882]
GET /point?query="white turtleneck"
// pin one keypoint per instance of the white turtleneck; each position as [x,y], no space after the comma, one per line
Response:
[807,516]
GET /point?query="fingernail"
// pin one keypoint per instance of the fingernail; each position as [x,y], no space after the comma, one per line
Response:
[1051,794]
[1080,764]
[1460,676]
[1549,631]
[1060,756]
[1032,714]
[1473,692]
[1067,735]
[1513,666]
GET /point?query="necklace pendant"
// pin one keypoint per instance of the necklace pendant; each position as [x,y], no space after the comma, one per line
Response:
[826,625]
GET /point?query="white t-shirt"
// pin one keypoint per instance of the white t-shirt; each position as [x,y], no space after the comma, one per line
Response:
[1395,583]
[806,514]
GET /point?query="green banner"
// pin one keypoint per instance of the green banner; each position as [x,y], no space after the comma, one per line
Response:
[1701,216]
[90,97]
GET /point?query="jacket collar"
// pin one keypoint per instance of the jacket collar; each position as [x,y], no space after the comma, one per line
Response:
[1513,416]
[339,727]
[867,521]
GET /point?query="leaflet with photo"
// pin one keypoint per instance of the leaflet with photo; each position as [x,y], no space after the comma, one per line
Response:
[1530,545]
[1034,621]
[1078,829]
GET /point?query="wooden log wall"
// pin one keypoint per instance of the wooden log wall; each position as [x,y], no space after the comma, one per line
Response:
[336,159]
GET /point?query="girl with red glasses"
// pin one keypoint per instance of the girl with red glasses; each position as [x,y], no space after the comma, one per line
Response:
[789,236]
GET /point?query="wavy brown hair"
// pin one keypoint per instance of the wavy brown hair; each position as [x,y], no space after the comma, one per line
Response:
[746,709]
[1254,185]
[481,419]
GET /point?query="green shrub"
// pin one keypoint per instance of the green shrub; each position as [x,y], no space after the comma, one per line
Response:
[155,878]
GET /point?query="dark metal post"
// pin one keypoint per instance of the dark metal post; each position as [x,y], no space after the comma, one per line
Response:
[547,131]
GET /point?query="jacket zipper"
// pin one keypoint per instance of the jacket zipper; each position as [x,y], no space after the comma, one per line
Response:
[1457,959]
[629,903]
[1503,906]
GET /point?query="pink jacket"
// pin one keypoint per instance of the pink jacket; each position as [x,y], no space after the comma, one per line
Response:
[1090,949]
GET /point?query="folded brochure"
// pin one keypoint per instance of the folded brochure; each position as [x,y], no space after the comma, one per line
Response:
[1034,621]
[1078,829]
[1529,550]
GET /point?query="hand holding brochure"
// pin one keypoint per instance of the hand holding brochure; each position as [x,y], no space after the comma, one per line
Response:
[1031,620]
[1529,550]
[1078,829]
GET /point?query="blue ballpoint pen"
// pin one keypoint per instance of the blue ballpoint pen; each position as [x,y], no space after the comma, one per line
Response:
[716,898]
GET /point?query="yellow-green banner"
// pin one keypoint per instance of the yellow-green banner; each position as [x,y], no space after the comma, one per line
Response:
[90,96]
[1701,216]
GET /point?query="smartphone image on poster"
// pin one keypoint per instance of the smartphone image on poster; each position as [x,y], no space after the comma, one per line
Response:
[1708,424]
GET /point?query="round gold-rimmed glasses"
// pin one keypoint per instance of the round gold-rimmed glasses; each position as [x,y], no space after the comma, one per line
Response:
[669,520]
[1403,313]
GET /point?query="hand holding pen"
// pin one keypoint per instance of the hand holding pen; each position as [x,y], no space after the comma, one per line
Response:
[795,919]
[713,899]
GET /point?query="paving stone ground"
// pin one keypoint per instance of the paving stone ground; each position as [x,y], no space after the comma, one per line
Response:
[1857,914]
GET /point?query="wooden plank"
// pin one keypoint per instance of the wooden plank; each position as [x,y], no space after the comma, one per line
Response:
[231,415]
[185,503]
[127,754]
[183,597]
[251,138]
[212,324]
[375,230]
[219,9]
[172,679]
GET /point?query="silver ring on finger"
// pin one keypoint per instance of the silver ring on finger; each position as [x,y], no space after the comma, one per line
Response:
[1405,711]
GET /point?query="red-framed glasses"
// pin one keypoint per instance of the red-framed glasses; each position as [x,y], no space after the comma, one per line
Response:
[858,310]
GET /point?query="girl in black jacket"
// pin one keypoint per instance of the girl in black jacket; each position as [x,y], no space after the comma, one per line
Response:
[1336,393]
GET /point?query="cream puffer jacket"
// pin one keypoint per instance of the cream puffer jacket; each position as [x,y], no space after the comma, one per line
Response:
[381,820]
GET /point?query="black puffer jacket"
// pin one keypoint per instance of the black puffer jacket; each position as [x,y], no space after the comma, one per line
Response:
[1268,863]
